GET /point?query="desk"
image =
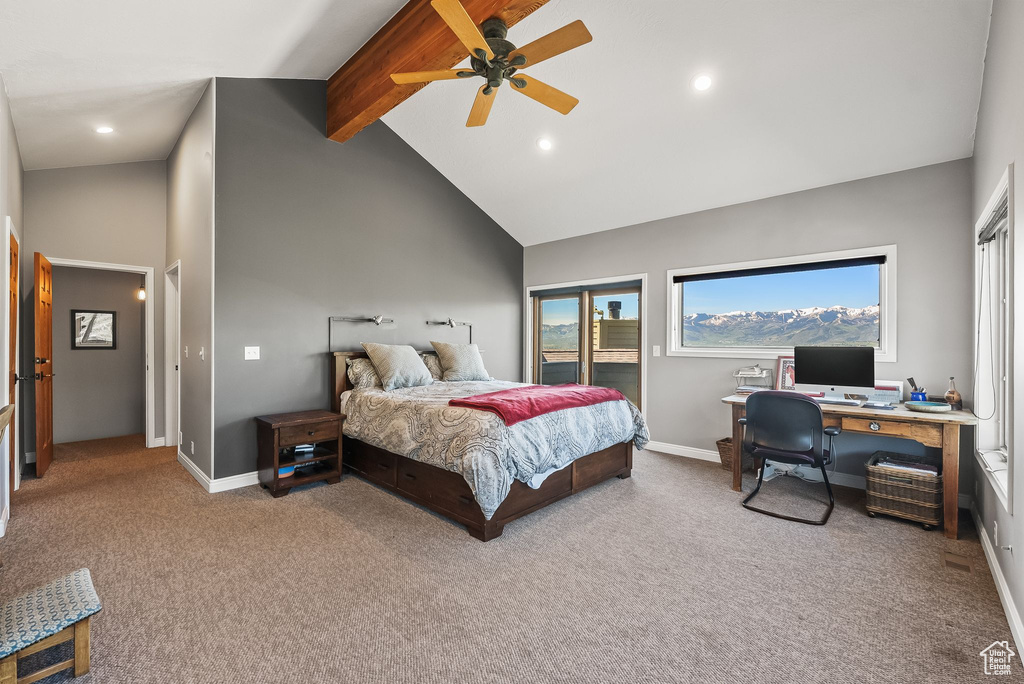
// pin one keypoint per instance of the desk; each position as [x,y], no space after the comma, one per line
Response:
[941,430]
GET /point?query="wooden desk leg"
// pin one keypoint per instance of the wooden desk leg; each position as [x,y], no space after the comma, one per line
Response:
[737,447]
[951,478]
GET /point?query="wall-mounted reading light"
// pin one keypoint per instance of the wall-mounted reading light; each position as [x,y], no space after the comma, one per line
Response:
[376,320]
[452,323]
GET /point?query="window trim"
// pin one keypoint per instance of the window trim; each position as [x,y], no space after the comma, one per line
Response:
[1004,189]
[885,353]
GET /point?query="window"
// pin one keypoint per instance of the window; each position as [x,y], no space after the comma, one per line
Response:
[994,300]
[762,309]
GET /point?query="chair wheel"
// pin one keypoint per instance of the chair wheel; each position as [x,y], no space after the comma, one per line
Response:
[927,527]
[871,514]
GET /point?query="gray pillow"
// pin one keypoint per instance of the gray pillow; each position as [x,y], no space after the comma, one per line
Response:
[433,364]
[461,362]
[362,374]
[398,365]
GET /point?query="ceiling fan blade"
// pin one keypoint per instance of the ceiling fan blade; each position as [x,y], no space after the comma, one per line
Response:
[546,95]
[481,107]
[454,14]
[555,43]
[425,76]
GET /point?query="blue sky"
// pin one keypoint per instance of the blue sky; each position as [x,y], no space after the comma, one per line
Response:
[853,286]
[561,311]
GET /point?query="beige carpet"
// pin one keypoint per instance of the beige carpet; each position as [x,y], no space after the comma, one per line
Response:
[659,578]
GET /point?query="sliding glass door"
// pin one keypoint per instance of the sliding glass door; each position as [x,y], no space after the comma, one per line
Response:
[589,335]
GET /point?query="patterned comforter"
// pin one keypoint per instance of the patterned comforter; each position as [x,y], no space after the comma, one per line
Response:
[417,422]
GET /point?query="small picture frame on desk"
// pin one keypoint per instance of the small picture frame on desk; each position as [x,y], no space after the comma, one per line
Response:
[785,373]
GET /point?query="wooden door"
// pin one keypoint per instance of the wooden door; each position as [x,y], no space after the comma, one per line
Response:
[13,350]
[44,364]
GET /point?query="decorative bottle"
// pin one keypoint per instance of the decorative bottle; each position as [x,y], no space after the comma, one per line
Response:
[953,397]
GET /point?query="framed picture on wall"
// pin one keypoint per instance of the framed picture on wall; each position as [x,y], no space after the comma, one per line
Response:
[93,329]
[785,376]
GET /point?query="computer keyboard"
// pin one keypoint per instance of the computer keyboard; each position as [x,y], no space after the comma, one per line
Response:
[840,402]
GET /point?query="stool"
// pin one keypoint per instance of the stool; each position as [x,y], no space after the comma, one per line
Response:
[44,617]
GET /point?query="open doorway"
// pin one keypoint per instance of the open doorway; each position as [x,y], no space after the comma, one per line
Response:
[172,347]
[53,330]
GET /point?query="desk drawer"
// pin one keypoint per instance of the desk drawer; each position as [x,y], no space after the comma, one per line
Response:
[928,434]
[309,433]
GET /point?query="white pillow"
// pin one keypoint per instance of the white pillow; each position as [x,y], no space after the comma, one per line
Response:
[398,365]
[461,362]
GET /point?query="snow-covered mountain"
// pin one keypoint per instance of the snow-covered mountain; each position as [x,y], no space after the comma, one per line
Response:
[817,325]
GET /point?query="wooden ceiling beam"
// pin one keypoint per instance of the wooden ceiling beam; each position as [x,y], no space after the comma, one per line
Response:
[416,39]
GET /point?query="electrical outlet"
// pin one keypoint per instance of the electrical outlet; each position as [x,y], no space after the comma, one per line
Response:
[193,447]
[180,437]
[657,350]
[995,533]
[202,353]
[252,353]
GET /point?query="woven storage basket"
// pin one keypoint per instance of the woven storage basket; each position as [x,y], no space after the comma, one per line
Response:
[725,455]
[904,493]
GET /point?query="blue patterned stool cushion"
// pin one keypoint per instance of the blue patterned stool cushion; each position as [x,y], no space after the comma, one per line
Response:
[47,610]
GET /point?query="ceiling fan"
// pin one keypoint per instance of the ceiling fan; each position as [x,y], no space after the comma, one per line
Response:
[496,60]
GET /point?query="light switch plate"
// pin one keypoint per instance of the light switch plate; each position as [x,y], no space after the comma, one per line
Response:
[186,351]
[202,353]
[657,350]
[192,446]
[252,353]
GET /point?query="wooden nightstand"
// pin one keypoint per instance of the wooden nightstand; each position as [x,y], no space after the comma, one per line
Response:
[279,435]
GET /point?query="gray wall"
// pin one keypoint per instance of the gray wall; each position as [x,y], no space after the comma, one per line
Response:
[308,228]
[11,179]
[98,392]
[923,211]
[11,169]
[190,239]
[114,213]
[1000,141]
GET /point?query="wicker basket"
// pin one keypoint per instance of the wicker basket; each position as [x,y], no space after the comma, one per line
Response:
[902,493]
[725,455]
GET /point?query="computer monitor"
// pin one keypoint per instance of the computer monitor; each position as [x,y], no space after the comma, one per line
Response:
[835,371]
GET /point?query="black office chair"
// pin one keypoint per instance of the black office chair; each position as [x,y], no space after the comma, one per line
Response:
[786,427]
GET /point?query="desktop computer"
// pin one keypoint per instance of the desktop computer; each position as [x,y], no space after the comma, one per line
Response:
[835,372]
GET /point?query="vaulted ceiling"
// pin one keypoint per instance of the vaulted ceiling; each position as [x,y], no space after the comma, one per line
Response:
[804,93]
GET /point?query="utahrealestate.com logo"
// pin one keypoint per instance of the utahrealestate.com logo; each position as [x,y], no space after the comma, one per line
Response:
[997,658]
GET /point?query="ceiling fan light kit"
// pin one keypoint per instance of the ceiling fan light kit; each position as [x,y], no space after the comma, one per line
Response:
[496,60]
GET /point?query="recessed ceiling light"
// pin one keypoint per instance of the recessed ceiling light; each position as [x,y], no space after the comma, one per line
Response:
[104,129]
[544,144]
[701,82]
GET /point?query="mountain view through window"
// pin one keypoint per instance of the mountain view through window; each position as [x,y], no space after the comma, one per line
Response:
[826,306]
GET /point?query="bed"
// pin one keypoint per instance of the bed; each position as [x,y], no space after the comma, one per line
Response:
[466,464]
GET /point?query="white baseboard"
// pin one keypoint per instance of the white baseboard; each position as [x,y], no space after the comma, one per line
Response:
[30,457]
[1002,588]
[157,442]
[840,479]
[4,517]
[221,484]
[688,452]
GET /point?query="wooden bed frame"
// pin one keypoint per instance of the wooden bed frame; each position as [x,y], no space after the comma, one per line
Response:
[447,492]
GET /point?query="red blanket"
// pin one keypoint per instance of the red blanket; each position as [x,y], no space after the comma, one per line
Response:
[522,403]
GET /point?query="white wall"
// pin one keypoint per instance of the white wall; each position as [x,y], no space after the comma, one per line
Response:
[190,239]
[114,213]
[999,141]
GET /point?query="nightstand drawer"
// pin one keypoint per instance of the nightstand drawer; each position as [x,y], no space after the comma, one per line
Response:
[307,434]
